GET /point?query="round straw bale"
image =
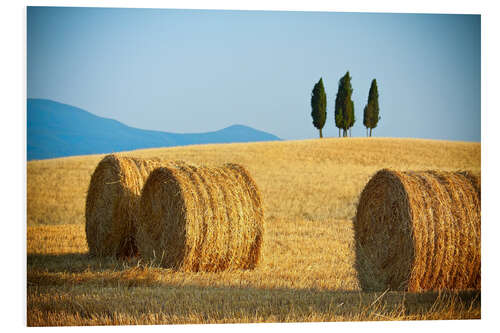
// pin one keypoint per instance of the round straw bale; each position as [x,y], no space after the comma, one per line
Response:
[419,231]
[201,218]
[113,202]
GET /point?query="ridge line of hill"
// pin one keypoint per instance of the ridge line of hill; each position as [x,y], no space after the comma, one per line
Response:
[59,130]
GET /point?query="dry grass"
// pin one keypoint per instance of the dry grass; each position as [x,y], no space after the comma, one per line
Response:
[330,173]
[307,271]
[419,231]
[297,280]
[201,218]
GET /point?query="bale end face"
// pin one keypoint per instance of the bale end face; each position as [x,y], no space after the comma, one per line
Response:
[112,204]
[419,231]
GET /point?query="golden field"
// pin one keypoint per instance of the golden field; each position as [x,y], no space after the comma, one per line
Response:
[309,189]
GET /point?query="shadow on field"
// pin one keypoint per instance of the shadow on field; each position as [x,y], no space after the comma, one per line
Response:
[106,286]
[232,304]
[73,263]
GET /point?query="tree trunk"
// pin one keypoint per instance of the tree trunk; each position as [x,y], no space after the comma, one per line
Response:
[320,133]
[367,132]
[370,132]
[339,132]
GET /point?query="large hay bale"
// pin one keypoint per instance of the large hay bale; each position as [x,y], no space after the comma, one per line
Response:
[201,218]
[419,231]
[113,203]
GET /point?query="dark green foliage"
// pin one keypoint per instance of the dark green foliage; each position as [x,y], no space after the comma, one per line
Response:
[371,111]
[351,118]
[366,112]
[318,105]
[344,106]
[339,119]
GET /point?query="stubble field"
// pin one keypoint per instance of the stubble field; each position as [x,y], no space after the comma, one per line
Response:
[309,190]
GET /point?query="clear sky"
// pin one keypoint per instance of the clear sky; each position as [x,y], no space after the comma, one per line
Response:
[203,70]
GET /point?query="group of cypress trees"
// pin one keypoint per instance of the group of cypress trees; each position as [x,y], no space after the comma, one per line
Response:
[344,107]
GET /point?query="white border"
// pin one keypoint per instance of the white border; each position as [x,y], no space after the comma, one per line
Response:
[13,88]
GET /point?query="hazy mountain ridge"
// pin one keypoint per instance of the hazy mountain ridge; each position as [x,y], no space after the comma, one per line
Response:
[57,130]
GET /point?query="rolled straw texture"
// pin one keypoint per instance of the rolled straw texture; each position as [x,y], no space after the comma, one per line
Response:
[419,231]
[113,203]
[201,218]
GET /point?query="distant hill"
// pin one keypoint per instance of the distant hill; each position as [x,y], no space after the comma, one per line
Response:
[57,130]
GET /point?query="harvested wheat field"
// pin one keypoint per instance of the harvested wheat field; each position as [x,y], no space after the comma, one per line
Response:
[419,231]
[309,193]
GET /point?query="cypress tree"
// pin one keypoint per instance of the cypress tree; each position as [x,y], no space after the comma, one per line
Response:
[371,111]
[318,105]
[344,106]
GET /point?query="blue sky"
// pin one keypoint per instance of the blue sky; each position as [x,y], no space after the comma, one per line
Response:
[203,70]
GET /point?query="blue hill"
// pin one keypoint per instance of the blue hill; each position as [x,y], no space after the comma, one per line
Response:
[57,130]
